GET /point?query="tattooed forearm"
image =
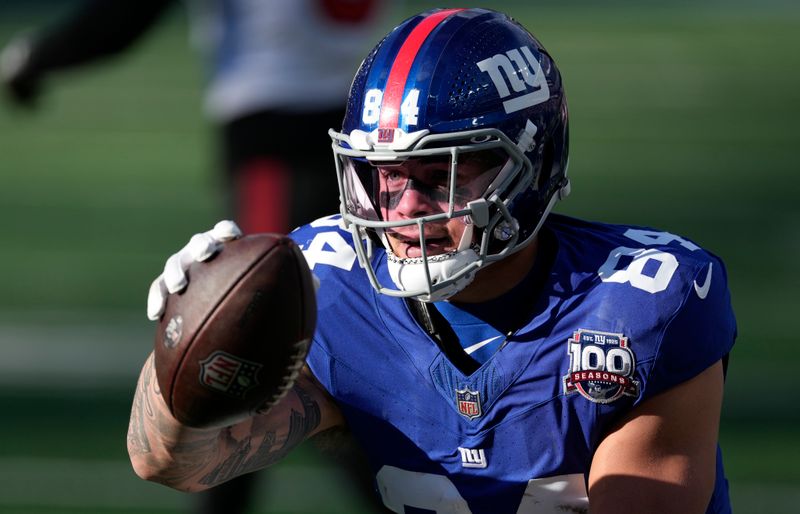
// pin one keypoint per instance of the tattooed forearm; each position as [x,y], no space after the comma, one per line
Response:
[189,459]
[137,437]
[273,447]
[311,409]
[162,450]
[231,466]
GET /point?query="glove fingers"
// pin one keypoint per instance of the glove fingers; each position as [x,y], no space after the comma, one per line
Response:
[201,247]
[175,272]
[226,230]
[156,298]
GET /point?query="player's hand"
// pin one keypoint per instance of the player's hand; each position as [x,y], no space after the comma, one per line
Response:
[200,248]
[19,76]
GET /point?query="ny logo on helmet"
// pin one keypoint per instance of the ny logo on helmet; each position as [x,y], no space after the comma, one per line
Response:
[517,63]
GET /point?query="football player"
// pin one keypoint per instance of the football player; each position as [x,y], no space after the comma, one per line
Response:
[490,357]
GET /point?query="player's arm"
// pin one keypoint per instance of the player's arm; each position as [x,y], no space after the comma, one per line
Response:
[661,458]
[96,30]
[190,459]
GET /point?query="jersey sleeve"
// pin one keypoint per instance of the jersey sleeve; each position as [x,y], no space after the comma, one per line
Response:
[327,248]
[701,332]
[320,363]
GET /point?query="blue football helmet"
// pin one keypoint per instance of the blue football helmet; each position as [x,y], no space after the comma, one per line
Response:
[451,90]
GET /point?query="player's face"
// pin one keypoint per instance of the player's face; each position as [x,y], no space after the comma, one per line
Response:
[421,187]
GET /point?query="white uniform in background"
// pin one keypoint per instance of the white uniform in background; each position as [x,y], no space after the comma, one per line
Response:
[294,55]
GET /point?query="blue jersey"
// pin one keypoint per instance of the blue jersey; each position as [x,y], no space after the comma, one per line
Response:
[624,313]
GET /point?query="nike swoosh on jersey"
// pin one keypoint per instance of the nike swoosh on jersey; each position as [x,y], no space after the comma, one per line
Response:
[477,346]
[702,291]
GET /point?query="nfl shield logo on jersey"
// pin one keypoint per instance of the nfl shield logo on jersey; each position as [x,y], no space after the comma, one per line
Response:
[602,366]
[469,403]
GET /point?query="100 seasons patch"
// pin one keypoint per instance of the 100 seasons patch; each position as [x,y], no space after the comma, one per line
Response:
[602,366]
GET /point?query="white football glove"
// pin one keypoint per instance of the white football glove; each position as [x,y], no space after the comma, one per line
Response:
[201,247]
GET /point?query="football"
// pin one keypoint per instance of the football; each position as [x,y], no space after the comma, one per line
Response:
[232,343]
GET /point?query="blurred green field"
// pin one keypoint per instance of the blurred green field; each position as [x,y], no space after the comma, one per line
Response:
[682,117]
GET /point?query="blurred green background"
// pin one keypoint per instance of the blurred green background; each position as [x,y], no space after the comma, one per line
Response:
[683,117]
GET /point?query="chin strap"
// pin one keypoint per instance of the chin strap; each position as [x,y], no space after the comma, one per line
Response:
[430,319]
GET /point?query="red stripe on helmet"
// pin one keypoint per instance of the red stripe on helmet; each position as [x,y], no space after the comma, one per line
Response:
[396,83]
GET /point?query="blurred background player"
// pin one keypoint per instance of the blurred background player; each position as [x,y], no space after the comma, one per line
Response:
[277,76]
[278,73]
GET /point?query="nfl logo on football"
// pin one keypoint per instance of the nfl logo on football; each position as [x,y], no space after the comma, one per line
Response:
[229,374]
[469,403]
